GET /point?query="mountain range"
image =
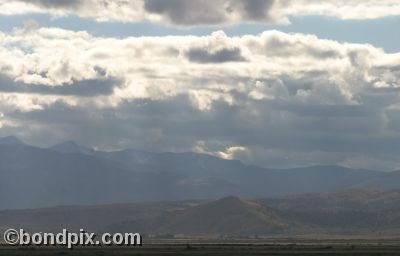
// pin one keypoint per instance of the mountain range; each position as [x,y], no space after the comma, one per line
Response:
[70,174]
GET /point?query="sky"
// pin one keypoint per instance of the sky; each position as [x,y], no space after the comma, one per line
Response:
[271,83]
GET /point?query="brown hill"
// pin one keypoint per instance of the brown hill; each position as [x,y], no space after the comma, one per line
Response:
[371,213]
[230,215]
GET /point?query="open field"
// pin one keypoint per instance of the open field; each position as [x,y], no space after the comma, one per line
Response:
[343,247]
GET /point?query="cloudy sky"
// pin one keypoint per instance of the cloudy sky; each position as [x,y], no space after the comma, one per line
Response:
[273,83]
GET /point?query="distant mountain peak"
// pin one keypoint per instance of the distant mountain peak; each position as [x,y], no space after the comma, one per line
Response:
[70,147]
[10,140]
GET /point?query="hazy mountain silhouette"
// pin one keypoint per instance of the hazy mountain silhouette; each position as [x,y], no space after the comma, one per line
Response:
[71,147]
[10,140]
[68,173]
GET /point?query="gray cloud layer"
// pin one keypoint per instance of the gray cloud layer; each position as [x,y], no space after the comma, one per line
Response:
[200,12]
[56,3]
[274,99]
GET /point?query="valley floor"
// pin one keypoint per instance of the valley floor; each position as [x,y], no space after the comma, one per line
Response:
[222,248]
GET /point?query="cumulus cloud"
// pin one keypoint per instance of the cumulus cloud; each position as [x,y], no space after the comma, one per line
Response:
[199,12]
[274,99]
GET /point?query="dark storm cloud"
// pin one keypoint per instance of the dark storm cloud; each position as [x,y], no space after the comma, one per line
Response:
[182,12]
[200,55]
[394,119]
[185,12]
[56,3]
[86,88]
[326,110]
[257,9]
[174,123]
[152,124]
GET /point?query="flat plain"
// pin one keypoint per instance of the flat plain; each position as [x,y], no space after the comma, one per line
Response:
[222,248]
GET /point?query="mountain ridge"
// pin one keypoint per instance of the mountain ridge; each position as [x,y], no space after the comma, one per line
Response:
[32,177]
[10,140]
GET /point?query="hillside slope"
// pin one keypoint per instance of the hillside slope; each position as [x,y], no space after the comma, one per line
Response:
[367,213]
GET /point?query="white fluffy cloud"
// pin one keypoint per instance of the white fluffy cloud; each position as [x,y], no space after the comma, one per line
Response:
[199,12]
[262,99]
